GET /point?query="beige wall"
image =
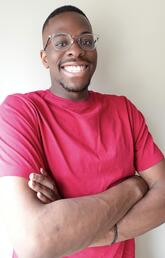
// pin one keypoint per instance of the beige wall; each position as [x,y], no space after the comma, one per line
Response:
[131,62]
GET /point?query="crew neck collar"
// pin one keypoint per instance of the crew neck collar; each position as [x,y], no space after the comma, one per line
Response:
[68,103]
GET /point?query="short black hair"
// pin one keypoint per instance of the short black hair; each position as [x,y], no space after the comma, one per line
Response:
[62,9]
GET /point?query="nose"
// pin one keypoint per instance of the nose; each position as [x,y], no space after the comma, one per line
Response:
[75,50]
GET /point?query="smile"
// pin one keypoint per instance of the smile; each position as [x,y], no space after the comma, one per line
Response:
[75,68]
[78,68]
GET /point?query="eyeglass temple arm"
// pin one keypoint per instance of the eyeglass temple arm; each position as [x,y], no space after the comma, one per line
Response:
[47,43]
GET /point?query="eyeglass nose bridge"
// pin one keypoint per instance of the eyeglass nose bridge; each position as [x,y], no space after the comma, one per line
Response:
[75,39]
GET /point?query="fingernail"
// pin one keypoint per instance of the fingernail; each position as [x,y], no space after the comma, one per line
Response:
[39,194]
[30,176]
[31,183]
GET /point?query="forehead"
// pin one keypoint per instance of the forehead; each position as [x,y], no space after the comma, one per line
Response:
[68,22]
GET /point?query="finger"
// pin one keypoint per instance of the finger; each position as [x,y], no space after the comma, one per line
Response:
[37,187]
[44,180]
[53,186]
[43,198]
[43,172]
[32,185]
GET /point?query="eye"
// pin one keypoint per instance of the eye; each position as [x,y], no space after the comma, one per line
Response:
[60,41]
[87,41]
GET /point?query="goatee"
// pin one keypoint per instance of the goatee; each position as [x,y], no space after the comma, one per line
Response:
[70,88]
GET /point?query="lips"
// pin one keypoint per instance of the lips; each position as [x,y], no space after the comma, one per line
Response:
[74,67]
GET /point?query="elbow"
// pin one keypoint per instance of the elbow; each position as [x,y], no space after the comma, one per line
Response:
[158,192]
[35,248]
[29,247]
[34,244]
[41,237]
[41,245]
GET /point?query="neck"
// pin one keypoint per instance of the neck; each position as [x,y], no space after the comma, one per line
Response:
[75,96]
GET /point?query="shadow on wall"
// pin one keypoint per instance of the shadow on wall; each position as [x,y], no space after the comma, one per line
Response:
[150,244]
[143,247]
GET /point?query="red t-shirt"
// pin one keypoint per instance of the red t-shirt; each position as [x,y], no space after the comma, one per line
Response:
[87,146]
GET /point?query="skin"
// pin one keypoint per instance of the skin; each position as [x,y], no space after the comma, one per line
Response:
[64,84]
[44,186]
[140,218]
[65,226]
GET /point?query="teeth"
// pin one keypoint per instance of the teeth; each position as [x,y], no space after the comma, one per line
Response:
[75,69]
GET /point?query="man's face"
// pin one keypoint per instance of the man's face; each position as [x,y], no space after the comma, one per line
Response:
[70,70]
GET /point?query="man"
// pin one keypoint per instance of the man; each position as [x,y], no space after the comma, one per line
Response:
[90,144]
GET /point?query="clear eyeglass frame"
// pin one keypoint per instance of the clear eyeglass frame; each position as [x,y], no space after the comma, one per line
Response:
[71,40]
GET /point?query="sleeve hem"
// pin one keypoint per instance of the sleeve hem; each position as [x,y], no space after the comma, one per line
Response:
[151,164]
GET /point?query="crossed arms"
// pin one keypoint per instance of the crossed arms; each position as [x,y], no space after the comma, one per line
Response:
[68,225]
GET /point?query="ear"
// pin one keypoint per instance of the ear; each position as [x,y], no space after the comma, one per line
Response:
[44,58]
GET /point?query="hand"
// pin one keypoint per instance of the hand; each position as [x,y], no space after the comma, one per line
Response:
[103,240]
[140,185]
[44,186]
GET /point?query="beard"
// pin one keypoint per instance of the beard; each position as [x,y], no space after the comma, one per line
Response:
[75,88]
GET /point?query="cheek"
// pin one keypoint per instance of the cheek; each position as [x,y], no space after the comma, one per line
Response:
[93,57]
[54,68]
[94,60]
[54,59]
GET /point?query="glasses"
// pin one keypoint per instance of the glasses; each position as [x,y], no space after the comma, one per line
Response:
[63,41]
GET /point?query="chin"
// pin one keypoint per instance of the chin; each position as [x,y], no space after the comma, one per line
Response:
[74,87]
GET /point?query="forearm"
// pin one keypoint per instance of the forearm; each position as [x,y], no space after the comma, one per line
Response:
[147,214]
[70,225]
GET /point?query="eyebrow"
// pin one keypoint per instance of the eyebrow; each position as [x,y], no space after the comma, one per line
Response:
[82,33]
[85,32]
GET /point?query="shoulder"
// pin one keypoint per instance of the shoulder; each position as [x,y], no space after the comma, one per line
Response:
[21,102]
[115,101]
[18,110]
[25,98]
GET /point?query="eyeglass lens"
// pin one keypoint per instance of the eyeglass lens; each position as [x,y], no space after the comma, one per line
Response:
[64,41]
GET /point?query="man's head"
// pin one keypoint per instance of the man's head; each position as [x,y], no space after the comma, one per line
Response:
[69,51]
[62,9]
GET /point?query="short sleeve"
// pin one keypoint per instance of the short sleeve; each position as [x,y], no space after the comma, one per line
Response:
[146,152]
[20,144]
